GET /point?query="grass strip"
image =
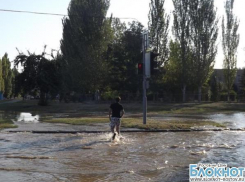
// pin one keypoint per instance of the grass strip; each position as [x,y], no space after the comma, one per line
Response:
[77,121]
[154,124]
[137,123]
[100,109]
[6,124]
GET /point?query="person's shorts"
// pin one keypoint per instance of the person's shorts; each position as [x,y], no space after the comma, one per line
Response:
[115,122]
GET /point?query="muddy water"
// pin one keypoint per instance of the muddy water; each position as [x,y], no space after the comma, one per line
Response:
[94,157]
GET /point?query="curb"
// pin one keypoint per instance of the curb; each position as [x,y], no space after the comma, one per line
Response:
[126,131]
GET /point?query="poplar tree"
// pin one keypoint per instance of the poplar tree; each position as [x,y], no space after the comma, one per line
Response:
[158,26]
[15,91]
[158,29]
[181,31]
[1,80]
[230,42]
[7,76]
[204,33]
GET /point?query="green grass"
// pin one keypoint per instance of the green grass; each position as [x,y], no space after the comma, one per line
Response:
[89,113]
[6,124]
[136,123]
[77,121]
[100,109]
[154,124]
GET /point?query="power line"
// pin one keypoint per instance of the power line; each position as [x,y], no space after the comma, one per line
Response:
[32,12]
[52,14]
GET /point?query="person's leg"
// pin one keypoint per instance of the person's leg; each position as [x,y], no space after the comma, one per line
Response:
[112,129]
[118,128]
[114,133]
[113,126]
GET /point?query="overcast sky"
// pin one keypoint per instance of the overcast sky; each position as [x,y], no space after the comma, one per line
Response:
[31,32]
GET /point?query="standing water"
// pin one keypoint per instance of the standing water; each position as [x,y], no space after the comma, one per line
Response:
[94,157]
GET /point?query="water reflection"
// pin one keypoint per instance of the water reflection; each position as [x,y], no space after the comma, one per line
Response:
[235,120]
[231,120]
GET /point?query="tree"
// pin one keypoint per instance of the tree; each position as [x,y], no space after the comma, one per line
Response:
[7,76]
[158,29]
[173,77]
[173,68]
[243,86]
[215,87]
[118,30]
[124,55]
[15,90]
[115,58]
[39,74]
[181,31]
[230,42]
[204,33]
[1,80]
[158,26]
[86,34]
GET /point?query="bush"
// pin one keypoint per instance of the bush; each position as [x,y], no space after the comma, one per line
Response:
[109,95]
[224,96]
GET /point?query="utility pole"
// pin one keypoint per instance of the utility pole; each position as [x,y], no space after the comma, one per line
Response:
[144,47]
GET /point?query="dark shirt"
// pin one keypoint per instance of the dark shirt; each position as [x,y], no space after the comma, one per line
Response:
[116,109]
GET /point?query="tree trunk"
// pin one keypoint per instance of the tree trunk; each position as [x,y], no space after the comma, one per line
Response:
[228,96]
[184,93]
[43,101]
[200,94]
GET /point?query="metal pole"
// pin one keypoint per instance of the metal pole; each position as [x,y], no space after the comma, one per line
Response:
[145,39]
[144,101]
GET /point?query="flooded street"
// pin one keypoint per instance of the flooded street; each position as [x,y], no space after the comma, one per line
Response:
[94,157]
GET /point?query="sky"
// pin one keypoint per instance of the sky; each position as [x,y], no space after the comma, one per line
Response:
[30,32]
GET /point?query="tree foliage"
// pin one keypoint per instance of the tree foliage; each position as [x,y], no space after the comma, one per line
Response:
[204,33]
[15,88]
[124,54]
[7,76]
[158,26]
[1,78]
[100,53]
[39,74]
[86,34]
[181,31]
[158,29]
[173,67]
[230,42]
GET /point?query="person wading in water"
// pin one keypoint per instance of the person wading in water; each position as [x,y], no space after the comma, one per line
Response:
[116,112]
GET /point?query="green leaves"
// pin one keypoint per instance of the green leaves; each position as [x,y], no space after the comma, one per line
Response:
[123,57]
[39,74]
[158,29]
[86,34]
[6,76]
[230,42]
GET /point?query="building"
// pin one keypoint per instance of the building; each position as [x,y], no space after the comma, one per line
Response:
[219,73]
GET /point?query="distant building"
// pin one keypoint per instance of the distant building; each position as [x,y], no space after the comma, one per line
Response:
[219,73]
